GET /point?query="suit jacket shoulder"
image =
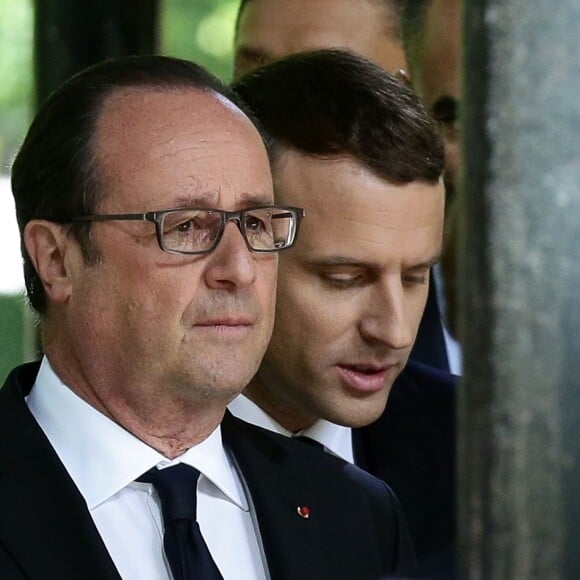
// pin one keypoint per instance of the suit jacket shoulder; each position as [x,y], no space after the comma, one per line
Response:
[354,527]
[46,530]
[412,447]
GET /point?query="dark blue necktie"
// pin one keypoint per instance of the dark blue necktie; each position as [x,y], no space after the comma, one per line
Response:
[184,545]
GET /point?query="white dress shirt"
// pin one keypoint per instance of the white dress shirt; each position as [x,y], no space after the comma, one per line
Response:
[335,438]
[103,459]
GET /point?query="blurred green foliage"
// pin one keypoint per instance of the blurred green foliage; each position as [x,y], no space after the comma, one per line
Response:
[12,349]
[16,75]
[200,30]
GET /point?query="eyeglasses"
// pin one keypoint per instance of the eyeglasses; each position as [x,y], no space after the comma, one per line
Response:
[199,231]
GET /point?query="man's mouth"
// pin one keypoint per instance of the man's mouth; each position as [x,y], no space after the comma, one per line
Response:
[236,326]
[227,321]
[365,378]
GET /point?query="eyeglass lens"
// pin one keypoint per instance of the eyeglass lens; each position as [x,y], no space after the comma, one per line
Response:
[196,230]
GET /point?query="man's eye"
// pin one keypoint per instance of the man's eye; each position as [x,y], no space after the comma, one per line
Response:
[255,224]
[415,279]
[189,229]
[445,110]
[185,226]
[342,279]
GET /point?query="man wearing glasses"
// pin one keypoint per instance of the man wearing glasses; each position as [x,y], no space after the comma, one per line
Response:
[150,241]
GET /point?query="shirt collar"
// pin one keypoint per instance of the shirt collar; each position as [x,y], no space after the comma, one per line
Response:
[102,457]
[335,438]
[248,411]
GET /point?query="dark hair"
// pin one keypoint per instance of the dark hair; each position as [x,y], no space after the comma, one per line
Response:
[332,103]
[55,174]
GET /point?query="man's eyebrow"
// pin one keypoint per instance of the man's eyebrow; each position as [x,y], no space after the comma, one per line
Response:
[253,199]
[331,261]
[209,200]
[338,261]
[198,200]
[429,263]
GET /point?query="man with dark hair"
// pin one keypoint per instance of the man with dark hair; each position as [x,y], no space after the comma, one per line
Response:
[270,29]
[355,147]
[432,32]
[116,459]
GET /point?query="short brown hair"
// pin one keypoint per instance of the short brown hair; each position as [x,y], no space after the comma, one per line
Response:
[330,103]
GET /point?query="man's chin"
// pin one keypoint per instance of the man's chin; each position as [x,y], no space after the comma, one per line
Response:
[359,415]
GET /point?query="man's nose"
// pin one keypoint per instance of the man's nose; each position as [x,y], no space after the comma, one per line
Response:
[231,265]
[386,319]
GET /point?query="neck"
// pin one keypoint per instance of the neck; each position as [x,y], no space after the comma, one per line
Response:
[291,417]
[168,425]
[170,429]
[167,421]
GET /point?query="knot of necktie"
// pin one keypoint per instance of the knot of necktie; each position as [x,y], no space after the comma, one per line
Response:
[177,490]
[184,545]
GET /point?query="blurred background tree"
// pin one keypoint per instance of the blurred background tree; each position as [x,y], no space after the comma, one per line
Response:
[16,73]
[199,30]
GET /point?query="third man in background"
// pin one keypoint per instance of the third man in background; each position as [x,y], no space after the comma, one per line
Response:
[269,29]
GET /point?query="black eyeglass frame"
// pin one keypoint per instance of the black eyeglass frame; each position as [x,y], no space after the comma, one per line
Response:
[157,218]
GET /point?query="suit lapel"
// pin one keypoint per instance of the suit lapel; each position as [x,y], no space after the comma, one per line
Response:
[44,524]
[291,541]
[283,476]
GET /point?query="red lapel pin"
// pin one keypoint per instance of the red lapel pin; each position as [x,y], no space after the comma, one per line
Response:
[303,511]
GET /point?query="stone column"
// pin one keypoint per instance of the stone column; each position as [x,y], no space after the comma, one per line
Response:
[519,405]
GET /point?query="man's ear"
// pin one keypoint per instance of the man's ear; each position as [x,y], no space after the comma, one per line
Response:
[403,76]
[47,244]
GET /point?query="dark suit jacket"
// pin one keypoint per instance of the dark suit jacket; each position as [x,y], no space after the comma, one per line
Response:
[429,347]
[412,447]
[354,531]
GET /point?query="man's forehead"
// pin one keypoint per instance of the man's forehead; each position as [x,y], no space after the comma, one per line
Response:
[137,117]
[329,187]
[161,145]
[341,189]
[126,99]
[281,27]
[292,166]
